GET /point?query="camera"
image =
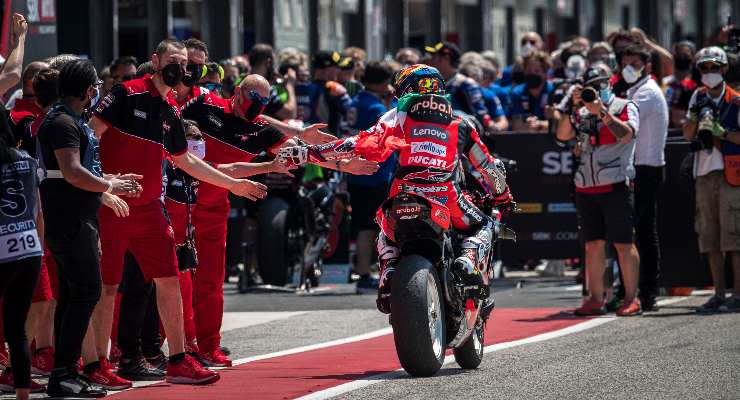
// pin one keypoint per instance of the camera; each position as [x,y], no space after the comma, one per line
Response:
[187,255]
[589,94]
[706,118]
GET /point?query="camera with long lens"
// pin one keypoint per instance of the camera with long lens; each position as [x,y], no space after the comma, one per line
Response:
[704,140]
[589,94]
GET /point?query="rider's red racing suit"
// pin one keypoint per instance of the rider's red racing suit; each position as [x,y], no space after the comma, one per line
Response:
[431,141]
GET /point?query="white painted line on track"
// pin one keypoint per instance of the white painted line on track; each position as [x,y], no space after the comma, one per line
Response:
[371,380]
[351,339]
[243,319]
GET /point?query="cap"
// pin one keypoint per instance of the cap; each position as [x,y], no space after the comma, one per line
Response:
[326,59]
[445,48]
[711,54]
[346,63]
[595,74]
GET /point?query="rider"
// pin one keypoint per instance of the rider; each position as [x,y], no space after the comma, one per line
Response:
[432,143]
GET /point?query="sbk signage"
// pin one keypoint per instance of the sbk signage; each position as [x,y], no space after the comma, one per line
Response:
[547,227]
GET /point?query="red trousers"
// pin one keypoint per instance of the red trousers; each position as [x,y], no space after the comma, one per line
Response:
[178,219]
[208,280]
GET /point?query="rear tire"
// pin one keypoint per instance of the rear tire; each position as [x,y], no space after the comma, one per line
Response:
[272,228]
[470,354]
[420,343]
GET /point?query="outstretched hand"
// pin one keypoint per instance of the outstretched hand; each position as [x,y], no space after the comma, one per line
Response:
[313,135]
[359,166]
[249,189]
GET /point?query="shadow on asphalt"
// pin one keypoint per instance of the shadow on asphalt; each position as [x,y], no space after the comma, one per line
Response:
[367,375]
[678,314]
[562,315]
[384,375]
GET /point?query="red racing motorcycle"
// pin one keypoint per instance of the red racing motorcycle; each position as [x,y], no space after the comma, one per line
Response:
[431,310]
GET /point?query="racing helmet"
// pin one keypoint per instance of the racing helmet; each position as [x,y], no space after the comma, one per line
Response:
[418,78]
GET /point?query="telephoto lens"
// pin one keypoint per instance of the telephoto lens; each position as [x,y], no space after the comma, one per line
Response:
[589,94]
[706,121]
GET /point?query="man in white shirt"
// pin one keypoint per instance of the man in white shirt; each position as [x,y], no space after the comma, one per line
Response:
[649,166]
[717,182]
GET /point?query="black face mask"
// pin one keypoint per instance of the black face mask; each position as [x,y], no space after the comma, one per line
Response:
[172,74]
[193,72]
[533,80]
[254,110]
[683,64]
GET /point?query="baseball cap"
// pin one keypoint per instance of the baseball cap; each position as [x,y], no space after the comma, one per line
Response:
[711,54]
[346,63]
[326,59]
[595,74]
[445,48]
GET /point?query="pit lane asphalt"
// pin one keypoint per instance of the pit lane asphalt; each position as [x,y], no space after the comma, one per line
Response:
[672,354]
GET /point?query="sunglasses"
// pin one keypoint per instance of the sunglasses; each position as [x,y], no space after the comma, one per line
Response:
[532,42]
[707,67]
[254,96]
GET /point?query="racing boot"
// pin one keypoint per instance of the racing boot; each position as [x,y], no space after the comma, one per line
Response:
[471,265]
[387,257]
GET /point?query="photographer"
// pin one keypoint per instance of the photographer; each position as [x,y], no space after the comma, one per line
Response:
[714,128]
[605,128]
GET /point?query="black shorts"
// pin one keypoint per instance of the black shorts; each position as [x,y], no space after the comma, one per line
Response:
[365,200]
[607,216]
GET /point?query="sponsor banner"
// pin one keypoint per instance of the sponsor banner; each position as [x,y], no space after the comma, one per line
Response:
[540,185]
[529,208]
[561,207]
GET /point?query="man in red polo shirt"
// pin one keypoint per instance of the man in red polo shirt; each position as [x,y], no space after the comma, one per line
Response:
[235,133]
[138,123]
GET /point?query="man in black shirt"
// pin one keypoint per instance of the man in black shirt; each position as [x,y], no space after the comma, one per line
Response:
[73,177]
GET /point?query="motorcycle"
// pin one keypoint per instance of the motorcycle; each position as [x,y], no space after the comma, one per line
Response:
[431,309]
[297,228]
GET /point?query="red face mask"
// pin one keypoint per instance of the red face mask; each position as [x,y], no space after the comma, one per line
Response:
[252,105]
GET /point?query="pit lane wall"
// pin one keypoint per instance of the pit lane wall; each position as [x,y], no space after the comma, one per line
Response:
[547,225]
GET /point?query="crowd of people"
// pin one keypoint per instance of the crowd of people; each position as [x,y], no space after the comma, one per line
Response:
[98,246]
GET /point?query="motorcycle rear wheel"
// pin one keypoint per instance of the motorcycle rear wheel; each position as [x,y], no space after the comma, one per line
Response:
[273,258]
[418,316]
[470,354]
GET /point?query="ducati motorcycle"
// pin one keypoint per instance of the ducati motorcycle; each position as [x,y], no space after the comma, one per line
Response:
[431,308]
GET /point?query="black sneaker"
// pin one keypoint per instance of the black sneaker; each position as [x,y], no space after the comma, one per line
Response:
[649,305]
[139,369]
[159,362]
[74,386]
[367,284]
[712,306]
[733,304]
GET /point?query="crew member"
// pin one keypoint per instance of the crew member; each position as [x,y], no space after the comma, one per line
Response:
[138,122]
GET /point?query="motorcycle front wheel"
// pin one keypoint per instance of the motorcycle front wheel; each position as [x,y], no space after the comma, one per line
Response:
[418,316]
